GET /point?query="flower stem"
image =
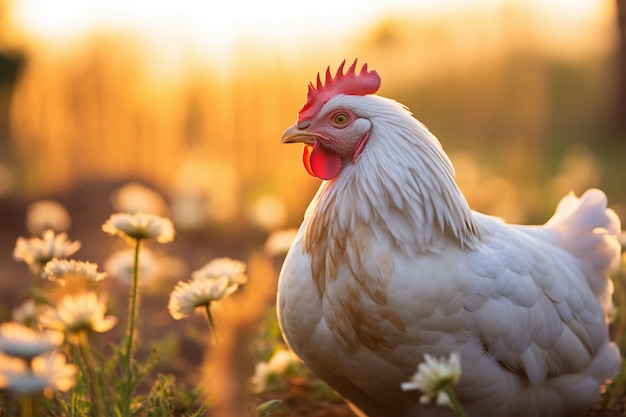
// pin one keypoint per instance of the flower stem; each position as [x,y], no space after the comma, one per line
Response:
[209,317]
[620,294]
[93,382]
[36,284]
[75,397]
[27,406]
[30,403]
[130,334]
[454,402]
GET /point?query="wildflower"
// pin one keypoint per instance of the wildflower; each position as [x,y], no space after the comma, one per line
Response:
[121,264]
[224,267]
[262,376]
[220,277]
[282,360]
[78,313]
[134,228]
[199,292]
[47,214]
[57,269]
[26,313]
[204,191]
[190,210]
[268,212]
[135,197]
[434,376]
[24,342]
[279,364]
[279,242]
[36,252]
[140,225]
[50,371]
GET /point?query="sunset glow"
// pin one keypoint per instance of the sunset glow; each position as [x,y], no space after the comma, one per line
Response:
[181,90]
[127,124]
[214,27]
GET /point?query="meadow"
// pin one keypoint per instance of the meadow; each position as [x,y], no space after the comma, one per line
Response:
[99,129]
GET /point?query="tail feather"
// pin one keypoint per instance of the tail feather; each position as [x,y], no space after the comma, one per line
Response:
[590,231]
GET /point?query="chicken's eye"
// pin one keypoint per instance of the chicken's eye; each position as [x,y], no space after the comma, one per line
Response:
[340,119]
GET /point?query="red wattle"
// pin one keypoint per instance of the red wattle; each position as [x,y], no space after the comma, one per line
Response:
[320,162]
[306,159]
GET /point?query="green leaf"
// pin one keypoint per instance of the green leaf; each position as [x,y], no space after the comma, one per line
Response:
[264,409]
[161,397]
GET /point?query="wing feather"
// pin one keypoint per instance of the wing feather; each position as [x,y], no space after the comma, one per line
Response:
[535,311]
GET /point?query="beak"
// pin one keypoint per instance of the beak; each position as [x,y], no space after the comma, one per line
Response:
[297,134]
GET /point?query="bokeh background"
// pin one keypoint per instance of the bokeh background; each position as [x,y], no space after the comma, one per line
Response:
[189,99]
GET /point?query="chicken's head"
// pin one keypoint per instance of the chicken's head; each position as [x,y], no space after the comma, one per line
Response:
[333,135]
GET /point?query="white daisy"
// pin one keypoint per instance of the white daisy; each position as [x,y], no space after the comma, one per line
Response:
[78,313]
[47,371]
[140,225]
[280,362]
[36,252]
[121,264]
[47,214]
[26,313]
[279,242]
[268,212]
[24,342]
[431,377]
[198,292]
[224,267]
[135,197]
[57,269]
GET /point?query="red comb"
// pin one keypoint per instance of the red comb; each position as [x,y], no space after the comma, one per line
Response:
[349,83]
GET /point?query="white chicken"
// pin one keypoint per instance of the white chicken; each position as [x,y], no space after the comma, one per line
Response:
[391,263]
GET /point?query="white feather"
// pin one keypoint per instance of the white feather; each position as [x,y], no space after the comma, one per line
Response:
[390,264]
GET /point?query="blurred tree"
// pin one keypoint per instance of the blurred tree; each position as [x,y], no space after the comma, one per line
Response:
[620,109]
[11,63]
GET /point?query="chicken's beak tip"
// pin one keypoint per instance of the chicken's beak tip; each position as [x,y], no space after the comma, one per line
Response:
[294,134]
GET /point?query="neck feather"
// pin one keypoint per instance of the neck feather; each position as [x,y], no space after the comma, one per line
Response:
[402,185]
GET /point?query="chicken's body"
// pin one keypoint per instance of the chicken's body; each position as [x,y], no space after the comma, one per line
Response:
[390,263]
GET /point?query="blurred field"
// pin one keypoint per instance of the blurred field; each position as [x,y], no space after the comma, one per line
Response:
[501,85]
[526,101]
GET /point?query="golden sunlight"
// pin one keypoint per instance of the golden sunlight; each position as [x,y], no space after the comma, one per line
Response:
[166,117]
[216,27]
[173,90]
[176,34]
[212,26]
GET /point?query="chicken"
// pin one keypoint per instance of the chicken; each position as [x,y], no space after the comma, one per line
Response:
[390,264]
